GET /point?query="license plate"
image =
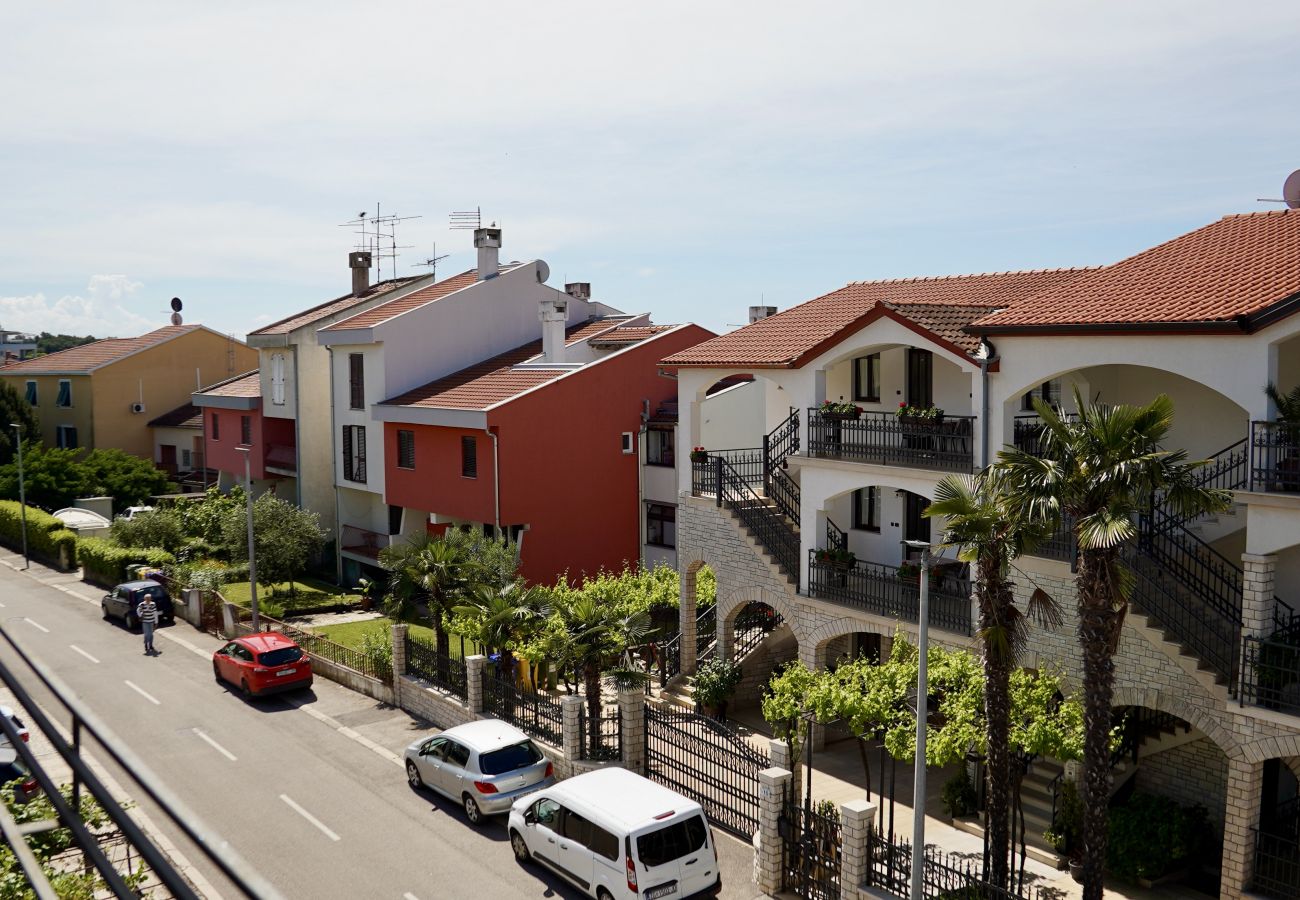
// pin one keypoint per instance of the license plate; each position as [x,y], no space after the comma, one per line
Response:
[663,890]
[285,672]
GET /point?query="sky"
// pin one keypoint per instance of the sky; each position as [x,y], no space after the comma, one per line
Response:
[687,159]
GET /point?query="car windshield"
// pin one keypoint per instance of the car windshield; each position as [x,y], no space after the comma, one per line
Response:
[507,759]
[157,593]
[280,656]
[671,842]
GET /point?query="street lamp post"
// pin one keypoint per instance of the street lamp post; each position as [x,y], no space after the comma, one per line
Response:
[252,558]
[922,713]
[22,489]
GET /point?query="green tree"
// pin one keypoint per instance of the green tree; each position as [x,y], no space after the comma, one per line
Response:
[14,409]
[981,524]
[1288,404]
[285,538]
[1100,472]
[128,479]
[595,635]
[53,343]
[493,562]
[163,528]
[504,619]
[52,477]
[205,519]
[436,571]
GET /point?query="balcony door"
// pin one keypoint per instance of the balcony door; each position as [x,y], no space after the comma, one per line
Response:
[920,377]
[916,527]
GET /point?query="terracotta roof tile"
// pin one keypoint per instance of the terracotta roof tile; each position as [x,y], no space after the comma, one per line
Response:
[628,334]
[333,307]
[245,385]
[1236,267]
[793,336]
[92,356]
[385,311]
[187,416]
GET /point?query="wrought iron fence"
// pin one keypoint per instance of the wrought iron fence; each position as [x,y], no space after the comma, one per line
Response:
[769,527]
[1277,866]
[887,439]
[881,590]
[784,493]
[812,843]
[439,669]
[1275,457]
[1027,432]
[944,877]
[1270,674]
[753,623]
[603,738]
[537,714]
[836,537]
[747,463]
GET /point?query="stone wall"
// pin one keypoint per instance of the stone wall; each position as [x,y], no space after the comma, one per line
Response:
[777,648]
[1196,772]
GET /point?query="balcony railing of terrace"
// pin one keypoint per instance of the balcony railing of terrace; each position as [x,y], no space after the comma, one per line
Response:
[888,439]
[363,542]
[748,465]
[1027,432]
[880,589]
[1275,457]
[1270,667]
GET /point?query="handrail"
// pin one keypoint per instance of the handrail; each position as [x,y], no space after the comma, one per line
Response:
[769,528]
[1274,457]
[778,445]
[784,492]
[748,461]
[879,589]
[946,444]
[1213,639]
[836,538]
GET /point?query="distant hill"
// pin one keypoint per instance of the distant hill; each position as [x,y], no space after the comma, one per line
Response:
[53,343]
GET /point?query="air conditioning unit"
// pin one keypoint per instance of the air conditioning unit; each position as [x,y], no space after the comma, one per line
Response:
[137,407]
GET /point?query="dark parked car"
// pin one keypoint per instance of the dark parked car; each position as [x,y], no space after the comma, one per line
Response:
[13,770]
[121,602]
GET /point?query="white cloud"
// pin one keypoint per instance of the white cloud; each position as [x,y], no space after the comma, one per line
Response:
[103,311]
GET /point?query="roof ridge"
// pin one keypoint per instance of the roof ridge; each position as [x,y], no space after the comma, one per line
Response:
[231,380]
[393,282]
[1260,213]
[923,279]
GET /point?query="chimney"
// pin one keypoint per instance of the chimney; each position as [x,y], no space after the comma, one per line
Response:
[488,243]
[554,314]
[359,262]
[578,290]
[760,312]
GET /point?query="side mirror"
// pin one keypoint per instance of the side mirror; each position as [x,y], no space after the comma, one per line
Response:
[530,817]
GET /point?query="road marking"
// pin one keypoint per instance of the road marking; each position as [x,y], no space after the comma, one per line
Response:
[214,745]
[409,896]
[38,625]
[309,817]
[83,653]
[143,693]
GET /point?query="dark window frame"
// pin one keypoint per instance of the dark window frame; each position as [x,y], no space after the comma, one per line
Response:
[354,453]
[661,450]
[870,392]
[1049,392]
[357,380]
[64,398]
[246,430]
[872,521]
[468,456]
[216,426]
[61,437]
[654,512]
[405,449]
[920,377]
[32,394]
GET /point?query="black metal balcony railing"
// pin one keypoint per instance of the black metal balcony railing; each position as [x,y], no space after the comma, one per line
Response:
[1275,457]
[747,464]
[836,537]
[1277,864]
[881,590]
[1027,432]
[887,439]
[1270,674]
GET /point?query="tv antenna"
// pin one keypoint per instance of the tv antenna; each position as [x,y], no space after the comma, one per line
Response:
[1290,192]
[467,220]
[432,261]
[378,235]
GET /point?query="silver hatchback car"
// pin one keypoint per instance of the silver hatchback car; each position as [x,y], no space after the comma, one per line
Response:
[484,765]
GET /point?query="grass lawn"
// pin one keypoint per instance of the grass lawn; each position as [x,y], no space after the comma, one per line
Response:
[349,633]
[306,593]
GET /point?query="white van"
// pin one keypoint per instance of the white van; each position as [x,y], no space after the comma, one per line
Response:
[618,836]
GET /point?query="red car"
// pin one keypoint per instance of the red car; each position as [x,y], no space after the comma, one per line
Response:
[263,663]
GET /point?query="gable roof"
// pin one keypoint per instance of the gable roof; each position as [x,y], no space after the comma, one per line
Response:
[796,335]
[1236,274]
[89,357]
[385,311]
[246,385]
[626,335]
[185,416]
[333,307]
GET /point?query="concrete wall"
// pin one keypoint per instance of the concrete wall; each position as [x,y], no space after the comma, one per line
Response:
[734,417]
[49,415]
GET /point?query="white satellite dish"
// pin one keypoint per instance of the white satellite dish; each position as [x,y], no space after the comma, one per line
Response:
[1291,190]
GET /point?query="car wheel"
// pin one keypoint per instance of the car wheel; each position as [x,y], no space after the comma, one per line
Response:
[245,689]
[603,894]
[103,607]
[131,622]
[472,812]
[520,846]
[413,776]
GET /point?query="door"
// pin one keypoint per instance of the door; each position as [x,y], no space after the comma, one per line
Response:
[241,663]
[916,527]
[430,762]
[546,814]
[574,856]
[225,665]
[455,779]
[920,378]
[168,457]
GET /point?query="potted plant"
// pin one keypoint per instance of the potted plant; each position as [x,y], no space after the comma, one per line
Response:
[841,559]
[1067,828]
[919,416]
[839,411]
[715,681]
[367,588]
[699,455]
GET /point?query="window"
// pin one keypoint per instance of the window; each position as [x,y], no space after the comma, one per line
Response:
[395,519]
[65,393]
[510,759]
[468,457]
[354,453]
[246,430]
[216,427]
[277,379]
[920,378]
[405,449]
[603,843]
[628,442]
[659,447]
[67,437]
[31,393]
[661,525]
[457,754]
[357,380]
[576,828]
[866,378]
[671,842]
[866,509]
[1049,392]
[187,459]
[546,812]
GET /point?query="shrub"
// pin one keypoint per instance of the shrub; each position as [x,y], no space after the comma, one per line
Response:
[47,538]
[959,796]
[158,528]
[1150,836]
[715,682]
[105,563]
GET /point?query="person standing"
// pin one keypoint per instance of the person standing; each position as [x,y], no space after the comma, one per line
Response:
[147,613]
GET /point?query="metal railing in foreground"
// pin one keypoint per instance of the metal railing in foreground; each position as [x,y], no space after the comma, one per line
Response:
[442,671]
[604,740]
[85,724]
[539,715]
[945,877]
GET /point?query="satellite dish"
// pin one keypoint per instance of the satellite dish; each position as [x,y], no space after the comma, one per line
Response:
[543,271]
[176,304]
[1291,190]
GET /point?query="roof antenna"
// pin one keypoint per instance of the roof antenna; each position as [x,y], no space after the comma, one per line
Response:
[432,261]
[1290,192]
[378,235]
[467,220]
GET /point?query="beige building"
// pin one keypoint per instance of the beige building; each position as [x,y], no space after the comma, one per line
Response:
[105,393]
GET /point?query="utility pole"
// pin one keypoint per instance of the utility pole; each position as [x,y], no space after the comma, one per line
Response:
[22,491]
[922,713]
[252,557]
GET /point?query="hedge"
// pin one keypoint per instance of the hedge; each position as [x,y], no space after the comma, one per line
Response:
[47,538]
[105,563]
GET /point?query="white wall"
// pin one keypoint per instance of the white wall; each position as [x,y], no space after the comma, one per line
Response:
[180,438]
[734,418]
[659,483]
[266,366]
[375,392]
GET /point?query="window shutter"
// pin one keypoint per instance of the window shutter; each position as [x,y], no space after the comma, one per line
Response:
[360,462]
[356,380]
[468,457]
[347,453]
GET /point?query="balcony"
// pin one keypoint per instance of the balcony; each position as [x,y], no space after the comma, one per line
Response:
[281,459]
[1275,457]
[747,464]
[1270,670]
[363,544]
[881,590]
[886,439]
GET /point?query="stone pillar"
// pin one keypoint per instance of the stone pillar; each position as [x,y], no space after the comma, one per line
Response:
[631,707]
[686,619]
[571,742]
[399,661]
[779,753]
[1257,594]
[474,668]
[228,619]
[1245,783]
[855,829]
[768,849]
[726,636]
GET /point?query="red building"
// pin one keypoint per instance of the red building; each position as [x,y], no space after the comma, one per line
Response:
[233,420]
[540,441]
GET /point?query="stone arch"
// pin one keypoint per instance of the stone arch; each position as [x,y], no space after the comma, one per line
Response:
[1280,746]
[814,657]
[730,606]
[1200,718]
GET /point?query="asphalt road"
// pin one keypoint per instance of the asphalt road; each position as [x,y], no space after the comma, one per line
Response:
[308,788]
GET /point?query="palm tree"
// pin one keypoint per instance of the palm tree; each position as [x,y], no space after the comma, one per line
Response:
[504,618]
[1100,471]
[434,570]
[987,533]
[597,633]
[1288,404]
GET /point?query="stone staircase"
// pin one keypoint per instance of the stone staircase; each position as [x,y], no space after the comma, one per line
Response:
[771,533]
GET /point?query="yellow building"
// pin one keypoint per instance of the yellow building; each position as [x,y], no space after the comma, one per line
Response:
[104,394]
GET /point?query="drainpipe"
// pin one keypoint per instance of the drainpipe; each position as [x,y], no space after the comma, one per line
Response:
[334,461]
[640,476]
[297,432]
[990,357]
[496,481]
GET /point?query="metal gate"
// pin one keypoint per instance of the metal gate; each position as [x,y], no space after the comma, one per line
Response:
[708,762]
[811,855]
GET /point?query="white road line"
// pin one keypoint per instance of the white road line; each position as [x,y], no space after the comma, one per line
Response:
[409,896]
[83,653]
[38,625]
[142,692]
[214,745]
[347,732]
[309,817]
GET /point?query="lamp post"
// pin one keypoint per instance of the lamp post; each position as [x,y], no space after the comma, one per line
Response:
[22,490]
[252,558]
[922,713]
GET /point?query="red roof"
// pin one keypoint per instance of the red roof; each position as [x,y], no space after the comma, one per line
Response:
[385,311]
[628,334]
[342,304]
[1219,277]
[91,356]
[793,337]
[186,416]
[246,385]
